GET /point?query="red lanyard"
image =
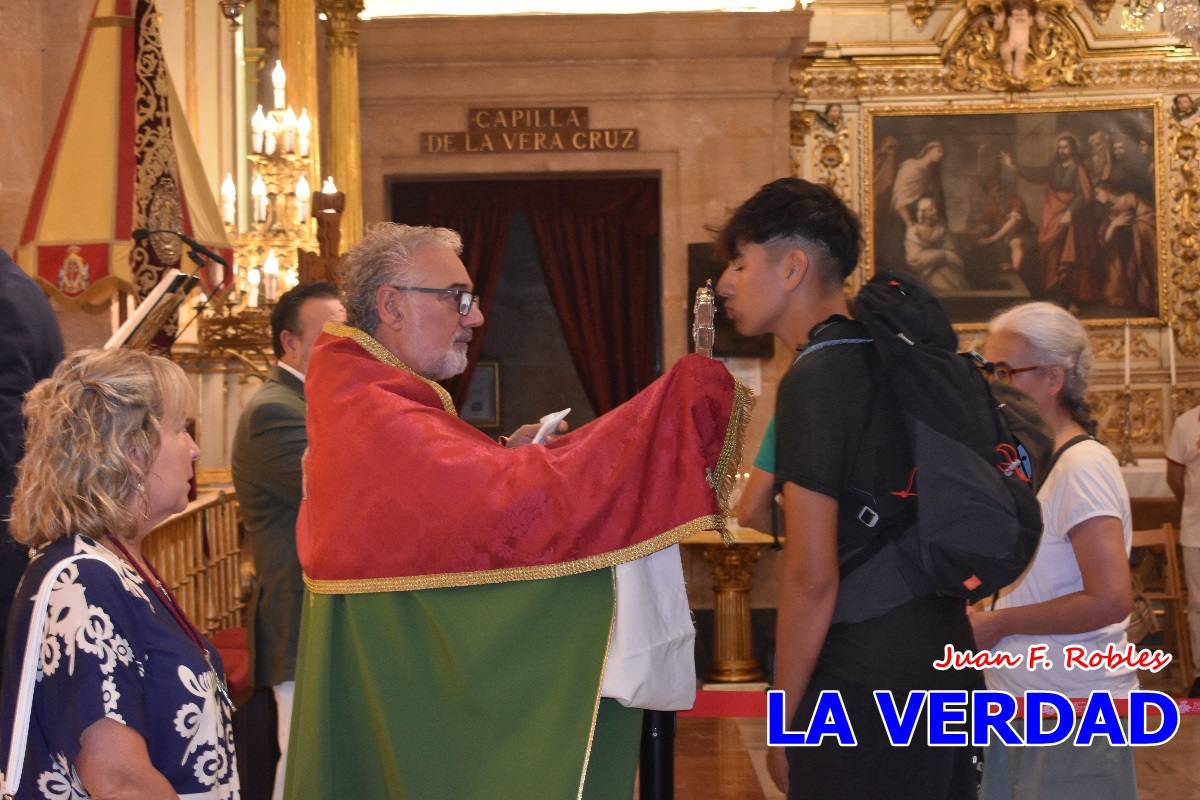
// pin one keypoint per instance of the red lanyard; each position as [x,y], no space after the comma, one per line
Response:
[159,587]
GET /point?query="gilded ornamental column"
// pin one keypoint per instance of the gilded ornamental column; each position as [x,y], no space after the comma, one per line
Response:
[298,52]
[345,154]
[733,655]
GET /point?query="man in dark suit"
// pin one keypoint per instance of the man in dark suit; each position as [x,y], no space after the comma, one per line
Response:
[267,448]
[30,348]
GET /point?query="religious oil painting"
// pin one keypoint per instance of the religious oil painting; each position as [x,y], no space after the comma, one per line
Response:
[993,208]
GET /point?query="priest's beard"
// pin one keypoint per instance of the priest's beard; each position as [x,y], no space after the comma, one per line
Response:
[453,362]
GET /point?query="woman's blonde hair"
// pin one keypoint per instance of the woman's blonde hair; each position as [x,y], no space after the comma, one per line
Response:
[92,431]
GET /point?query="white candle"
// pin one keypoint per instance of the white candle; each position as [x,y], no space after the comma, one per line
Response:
[228,200]
[328,187]
[1171,351]
[254,279]
[278,84]
[1126,353]
[258,125]
[258,190]
[270,270]
[289,131]
[272,135]
[303,133]
[303,200]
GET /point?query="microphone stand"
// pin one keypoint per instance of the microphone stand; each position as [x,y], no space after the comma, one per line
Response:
[199,259]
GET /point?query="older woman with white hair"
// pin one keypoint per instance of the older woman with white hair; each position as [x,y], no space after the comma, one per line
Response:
[1076,591]
[129,699]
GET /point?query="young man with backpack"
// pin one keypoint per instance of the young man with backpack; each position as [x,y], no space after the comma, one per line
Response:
[849,479]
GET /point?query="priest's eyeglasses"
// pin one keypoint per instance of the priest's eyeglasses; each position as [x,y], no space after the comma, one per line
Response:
[999,371]
[463,298]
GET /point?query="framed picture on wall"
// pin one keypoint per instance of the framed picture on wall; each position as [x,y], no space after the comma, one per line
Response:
[703,265]
[993,207]
[482,405]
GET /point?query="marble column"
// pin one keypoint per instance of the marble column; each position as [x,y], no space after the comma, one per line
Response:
[345,155]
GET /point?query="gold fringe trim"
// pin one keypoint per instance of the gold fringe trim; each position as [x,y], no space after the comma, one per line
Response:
[587,753]
[114,21]
[382,354]
[447,580]
[725,476]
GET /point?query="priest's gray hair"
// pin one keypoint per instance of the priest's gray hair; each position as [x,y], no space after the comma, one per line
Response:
[385,256]
[1058,339]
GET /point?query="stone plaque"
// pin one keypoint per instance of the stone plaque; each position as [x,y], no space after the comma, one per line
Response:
[529,130]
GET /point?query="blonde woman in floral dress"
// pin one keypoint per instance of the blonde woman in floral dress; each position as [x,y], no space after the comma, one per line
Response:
[130,698]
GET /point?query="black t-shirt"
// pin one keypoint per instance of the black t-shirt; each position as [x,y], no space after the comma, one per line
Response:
[839,431]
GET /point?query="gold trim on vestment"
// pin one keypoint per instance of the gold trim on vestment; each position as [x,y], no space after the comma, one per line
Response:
[381,353]
[612,624]
[447,580]
[724,477]
[115,21]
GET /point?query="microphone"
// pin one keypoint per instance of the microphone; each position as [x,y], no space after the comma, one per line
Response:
[141,233]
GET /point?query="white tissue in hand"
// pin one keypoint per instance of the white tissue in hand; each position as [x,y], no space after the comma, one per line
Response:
[550,425]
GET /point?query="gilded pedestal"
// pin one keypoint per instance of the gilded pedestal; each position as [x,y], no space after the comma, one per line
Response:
[733,656]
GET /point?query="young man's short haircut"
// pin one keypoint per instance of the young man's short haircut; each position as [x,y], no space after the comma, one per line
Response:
[286,314]
[790,209]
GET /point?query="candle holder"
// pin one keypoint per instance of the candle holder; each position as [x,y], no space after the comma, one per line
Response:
[1127,456]
[280,198]
[327,208]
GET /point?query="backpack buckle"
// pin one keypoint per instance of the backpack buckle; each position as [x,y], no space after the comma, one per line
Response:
[868,516]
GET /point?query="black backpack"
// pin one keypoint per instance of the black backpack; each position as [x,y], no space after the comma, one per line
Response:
[977,521]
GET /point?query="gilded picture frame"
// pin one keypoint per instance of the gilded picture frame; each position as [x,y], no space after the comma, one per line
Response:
[998,205]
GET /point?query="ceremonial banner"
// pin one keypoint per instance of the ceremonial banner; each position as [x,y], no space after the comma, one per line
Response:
[121,157]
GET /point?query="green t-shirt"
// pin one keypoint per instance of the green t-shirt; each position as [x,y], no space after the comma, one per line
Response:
[765,460]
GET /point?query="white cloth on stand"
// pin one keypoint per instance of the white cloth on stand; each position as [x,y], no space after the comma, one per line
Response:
[651,655]
[284,694]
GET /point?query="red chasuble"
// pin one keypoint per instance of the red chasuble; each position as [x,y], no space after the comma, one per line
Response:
[461,595]
[400,494]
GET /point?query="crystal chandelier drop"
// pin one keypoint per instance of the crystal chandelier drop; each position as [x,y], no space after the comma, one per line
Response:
[1133,15]
[1181,18]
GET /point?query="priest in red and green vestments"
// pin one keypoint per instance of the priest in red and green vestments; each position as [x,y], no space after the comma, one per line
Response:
[460,593]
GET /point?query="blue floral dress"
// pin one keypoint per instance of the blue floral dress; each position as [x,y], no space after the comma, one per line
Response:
[112,649]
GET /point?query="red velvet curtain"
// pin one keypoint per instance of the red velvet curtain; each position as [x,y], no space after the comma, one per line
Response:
[599,243]
[598,240]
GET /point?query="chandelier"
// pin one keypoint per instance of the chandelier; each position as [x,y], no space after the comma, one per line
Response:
[1181,18]
[1133,15]
[281,202]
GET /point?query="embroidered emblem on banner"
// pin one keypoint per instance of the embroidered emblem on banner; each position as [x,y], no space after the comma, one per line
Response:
[73,274]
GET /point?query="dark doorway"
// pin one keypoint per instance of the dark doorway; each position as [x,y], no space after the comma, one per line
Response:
[568,271]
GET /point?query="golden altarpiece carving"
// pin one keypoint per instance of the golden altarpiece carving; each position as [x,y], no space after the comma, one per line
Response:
[1025,57]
